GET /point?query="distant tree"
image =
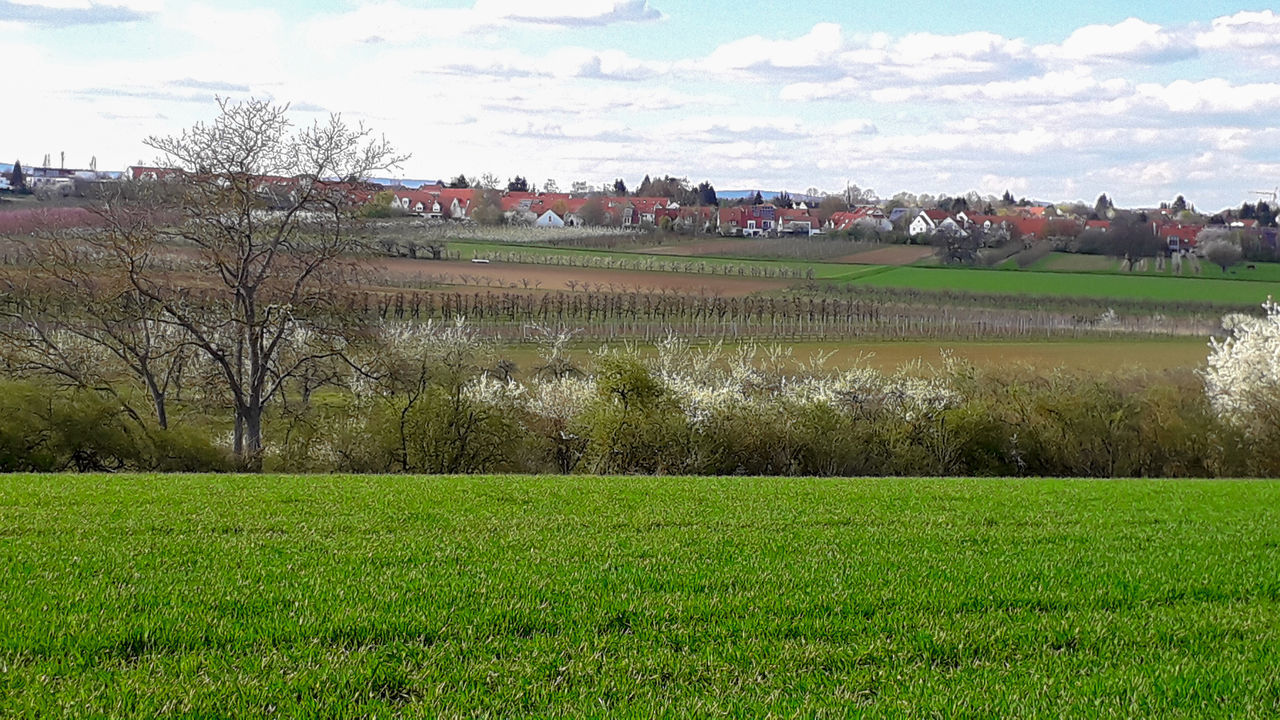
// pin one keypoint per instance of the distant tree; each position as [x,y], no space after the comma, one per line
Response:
[829,206]
[783,200]
[1265,215]
[488,210]
[579,187]
[488,181]
[519,184]
[1179,204]
[955,245]
[1133,238]
[619,187]
[18,179]
[381,206]
[1222,253]
[1248,211]
[646,188]
[459,183]
[707,194]
[593,211]
[757,199]
[550,186]
[1007,199]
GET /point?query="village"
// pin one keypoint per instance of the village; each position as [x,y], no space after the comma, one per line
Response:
[970,220]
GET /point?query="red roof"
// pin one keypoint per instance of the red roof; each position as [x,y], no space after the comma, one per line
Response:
[1031,226]
[792,215]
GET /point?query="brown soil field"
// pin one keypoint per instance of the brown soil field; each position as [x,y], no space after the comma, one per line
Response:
[554,277]
[888,255]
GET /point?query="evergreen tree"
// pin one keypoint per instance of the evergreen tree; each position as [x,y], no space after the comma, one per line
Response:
[1179,204]
[18,179]
[1007,198]
[619,187]
[460,182]
[757,199]
[1266,216]
[707,194]
[519,184]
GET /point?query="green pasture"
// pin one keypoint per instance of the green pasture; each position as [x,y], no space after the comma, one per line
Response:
[1077,284]
[340,596]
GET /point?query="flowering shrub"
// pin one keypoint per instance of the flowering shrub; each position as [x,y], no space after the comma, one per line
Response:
[1243,374]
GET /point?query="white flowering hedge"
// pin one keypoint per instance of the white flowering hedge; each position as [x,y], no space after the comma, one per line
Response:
[1243,374]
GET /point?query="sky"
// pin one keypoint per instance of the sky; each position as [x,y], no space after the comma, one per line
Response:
[1140,100]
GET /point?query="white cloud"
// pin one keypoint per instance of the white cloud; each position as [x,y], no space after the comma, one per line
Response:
[393,22]
[1131,40]
[1242,30]
[819,47]
[1215,95]
[568,12]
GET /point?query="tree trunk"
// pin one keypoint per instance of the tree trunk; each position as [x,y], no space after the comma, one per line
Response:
[158,401]
[250,455]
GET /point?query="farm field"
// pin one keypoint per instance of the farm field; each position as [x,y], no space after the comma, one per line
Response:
[553,277]
[1095,285]
[889,255]
[1078,276]
[360,596]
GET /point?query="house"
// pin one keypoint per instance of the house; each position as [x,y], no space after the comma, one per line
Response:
[1097,225]
[1176,236]
[795,222]
[1025,227]
[435,203]
[696,219]
[748,220]
[549,219]
[928,222]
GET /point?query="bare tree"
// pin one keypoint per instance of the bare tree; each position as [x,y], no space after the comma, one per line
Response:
[269,212]
[74,316]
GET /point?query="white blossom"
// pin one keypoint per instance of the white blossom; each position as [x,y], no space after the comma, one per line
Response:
[1243,373]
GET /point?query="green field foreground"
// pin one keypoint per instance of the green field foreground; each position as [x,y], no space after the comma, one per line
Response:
[338,596]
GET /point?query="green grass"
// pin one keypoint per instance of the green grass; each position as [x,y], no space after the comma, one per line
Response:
[1068,284]
[146,596]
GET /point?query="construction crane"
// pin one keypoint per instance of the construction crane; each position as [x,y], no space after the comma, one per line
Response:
[1273,194]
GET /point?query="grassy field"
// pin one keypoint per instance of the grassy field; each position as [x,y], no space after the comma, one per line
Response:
[1095,285]
[500,597]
